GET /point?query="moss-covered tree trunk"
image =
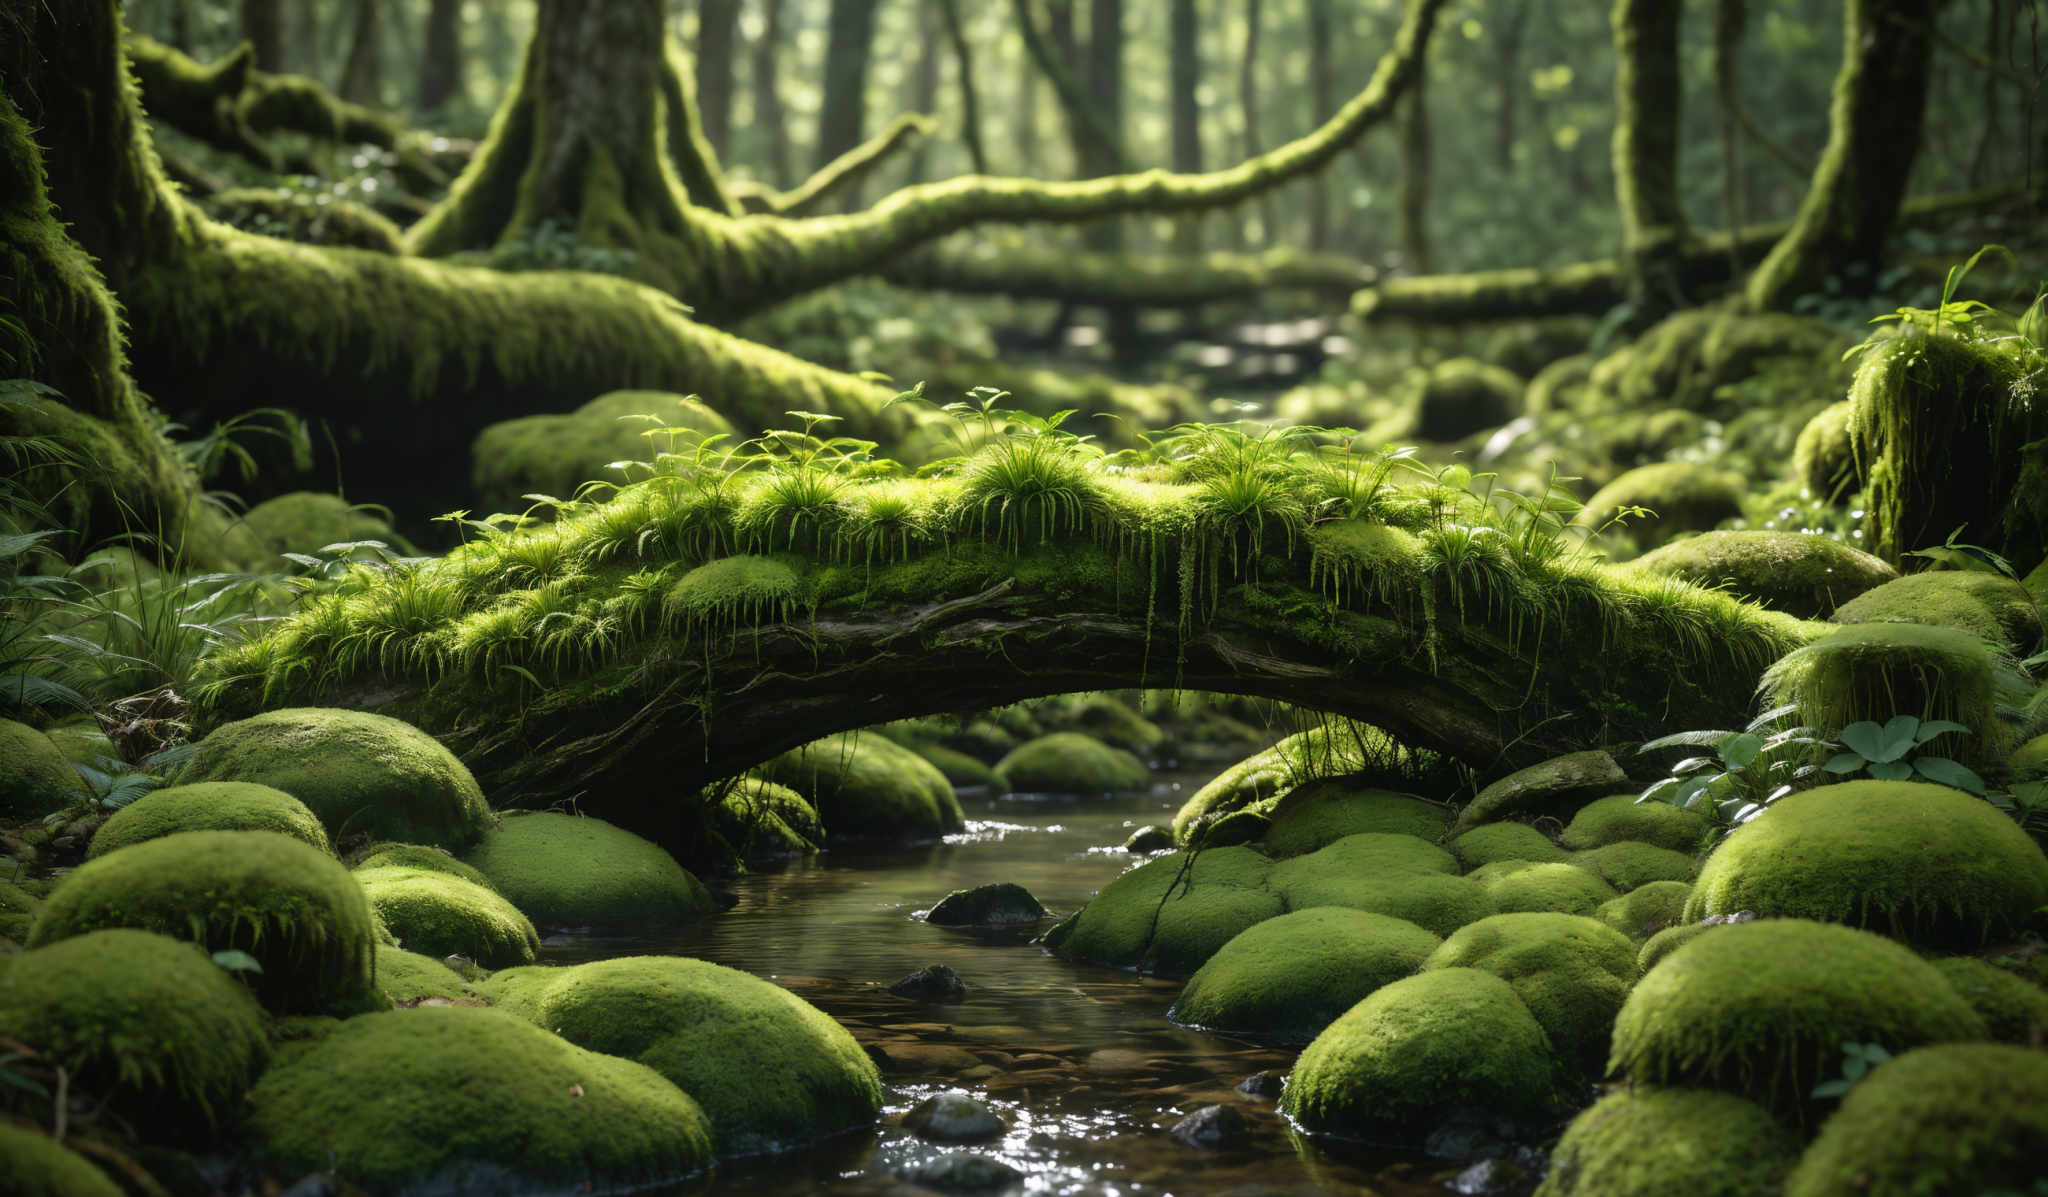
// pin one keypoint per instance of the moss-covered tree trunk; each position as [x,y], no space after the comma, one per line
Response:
[717,40]
[362,74]
[263,28]
[843,114]
[441,56]
[1647,95]
[1874,129]
[768,114]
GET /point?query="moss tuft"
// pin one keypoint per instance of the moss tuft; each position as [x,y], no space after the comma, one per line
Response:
[2013,1009]
[1320,813]
[1523,886]
[760,820]
[35,776]
[574,871]
[1072,763]
[1463,396]
[408,977]
[39,1166]
[1684,498]
[1827,458]
[867,786]
[439,914]
[1571,972]
[1485,844]
[1158,919]
[1654,1140]
[1647,909]
[306,522]
[1873,671]
[1627,865]
[1989,606]
[1620,817]
[1802,574]
[1289,977]
[417,856]
[1669,940]
[209,806]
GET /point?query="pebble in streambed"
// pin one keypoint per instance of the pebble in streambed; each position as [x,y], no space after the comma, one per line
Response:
[953,1117]
[932,983]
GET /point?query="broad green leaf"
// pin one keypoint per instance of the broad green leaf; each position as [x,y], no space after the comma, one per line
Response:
[1943,771]
[1866,738]
[1936,727]
[236,960]
[1897,738]
[1741,748]
[1891,770]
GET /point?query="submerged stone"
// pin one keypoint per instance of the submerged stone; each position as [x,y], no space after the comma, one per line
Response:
[1214,1128]
[987,905]
[953,1117]
[966,1172]
[932,983]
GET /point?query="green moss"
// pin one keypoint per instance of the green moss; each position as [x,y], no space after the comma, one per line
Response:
[1620,817]
[866,786]
[1555,888]
[1827,457]
[376,1102]
[1463,396]
[1873,671]
[1571,972]
[962,771]
[39,1166]
[1669,940]
[309,217]
[1762,1010]
[142,1019]
[1072,763]
[1553,787]
[2030,760]
[1655,1140]
[1647,909]
[1803,574]
[360,773]
[1684,498]
[208,806]
[35,776]
[761,820]
[408,977]
[1990,606]
[1628,866]
[1559,385]
[1394,875]
[768,1069]
[291,906]
[1107,719]
[417,856]
[1920,861]
[1289,977]
[439,914]
[2013,1009]
[1319,813]
[1505,841]
[575,871]
[1156,919]
[17,912]
[1422,1050]
[556,454]
[308,521]
[1965,1118]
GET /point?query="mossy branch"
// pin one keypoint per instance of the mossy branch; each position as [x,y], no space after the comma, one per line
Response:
[837,176]
[1135,280]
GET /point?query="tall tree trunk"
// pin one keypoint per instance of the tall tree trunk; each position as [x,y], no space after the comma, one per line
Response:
[1513,32]
[924,85]
[1874,131]
[1646,136]
[441,60]
[768,111]
[1024,127]
[1415,166]
[1322,98]
[180,33]
[1248,99]
[970,101]
[1186,72]
[717,37]
[1092,130]
[842,121]
[1731,21]
[362,74]
[263,28]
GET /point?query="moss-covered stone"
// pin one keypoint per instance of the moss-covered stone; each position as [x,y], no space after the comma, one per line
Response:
[1826,458]
[962,771]
[1106,718]
[1553,787]
[768,1069]
[1571,972]
[450,1098]
[1803,574]
[556,454]
[1669,940]
[1646,909]
[1265,774]
[1683,497]
[1394,875]
[2014,1010]
[1620,817]
[1159,919]
[36,777]
[306,522]
[2030,760]
[439,914]
[1420,1051]
[417,856]
[1646,1139]
[1289,977]
[1874,671]
[362,774]
[17,912]
[1545,887]
[760,820]
[1558,386]
[1505,841]
[1319,813]
[1238,827]
[1072,763]
[1628,865]
[1925,862]
[408,977]
[574,871]
[1762,1009]
[39,1166]
[209,806]
[1990,606]
[867,786]
[1463,396]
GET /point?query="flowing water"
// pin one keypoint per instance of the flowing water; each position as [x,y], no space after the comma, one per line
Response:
[1081,1062]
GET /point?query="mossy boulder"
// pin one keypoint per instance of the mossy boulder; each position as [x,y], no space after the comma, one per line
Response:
[306,522]
[1874,671]
[439,914]
[1106,718]
[557,453]
[209,806]
[1646,1140]
[1559,386]
[36,1165]
[1827,457]
[1571,972]
[448,1099]
[1289,977]
[1987,605]
[1557,786]
[1627,865]
[1319,813]
[144,1020]
[36,777]
[17,911]
[994,904]
[2029,761]
[1396,875]
[760,820]
[290,905]
[1168,916]
[2014,1009]
[768,1069]
[1505,841]
[1464,395]
[362,774]
[962,771]
[408,977]
[1762,1010]
[1925,862]
[864,786]
[1681,496]
[1422,1051]
[1646,909]
[1072,763]
[1802,574]
[1963,1118]
[417,856]
[1669,940]
[574,871]
[1620,817]
[1515,886]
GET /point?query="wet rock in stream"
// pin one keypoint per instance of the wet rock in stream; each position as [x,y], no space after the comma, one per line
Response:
[997,904]
[966,1172]
[1213,1127]
[1261,1084]
[1149,839]
[932,983]
[953,1117]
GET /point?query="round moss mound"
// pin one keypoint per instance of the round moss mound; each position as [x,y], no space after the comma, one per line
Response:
[1991,606]
[438,914]
[290,905]
[556,453]
[1667,941]
[571,871]
[1877,670]
[1643,1141]
[209,806]
[143,1019]
[1167,916]
[1795,572]
[1647,909]
[2014,1010]
[1629,866]
[36,1165]
[308,521]
[1683,496]
[1552,888]
[1571,972]
[362,774]
[417,856]
[36,777]
[1399,876]
[1924,862]
[17,911]
[408,977]
[768,1069]
[1463,396]
[760,820]
[1423,1050]
[1964,1118]
[1072,763]
[964,772]
[1618,818]
[867,786]
[1491,842]
[1824,458]
[1762,1009]
[1320,813]
[1289,977]
[470,1100]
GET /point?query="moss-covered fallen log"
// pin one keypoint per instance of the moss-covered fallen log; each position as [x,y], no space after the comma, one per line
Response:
[1130,280]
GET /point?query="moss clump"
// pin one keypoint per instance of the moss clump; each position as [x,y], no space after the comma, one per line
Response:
[360,773]
[1989,606]
[1669,940]
[1158,919]
[439,914]
[1684,498]
[1106,718]
[308,217]
[408,977]
[962,772]
[39,1166]
[1399,876]
[417,856]
[1647,909]
[1299,758]
[2013,1009]
[1289,977]
[573,871]
[478,1100]
[768,1069]
[17,912]
[1618,818]
[1571,972]
[1463,396]
[1966,1118]
[209,806]
[1827,457]
[35,776]
[1320,813]
[143,1019]
[1762,1009]
[1629,866]
[866,786]
[291,906]
[1553,888]
[2030,760]
[1557,787]
[1803,574]
[1873,671]
[760,820]
[308,521]
[1924,862]
[1559,386]
[1506,841]
[1654,1140]
[1420,1051]
[1072,763]
[556,454]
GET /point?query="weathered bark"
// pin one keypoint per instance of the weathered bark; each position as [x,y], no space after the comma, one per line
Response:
[1646,139]
[1186,73]
[970,99]
[1415,169]
[263,29]
[441,59]
[842,120]
[362,74]
[768,111]
[1880,100]
[1322,98]
[717,43]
